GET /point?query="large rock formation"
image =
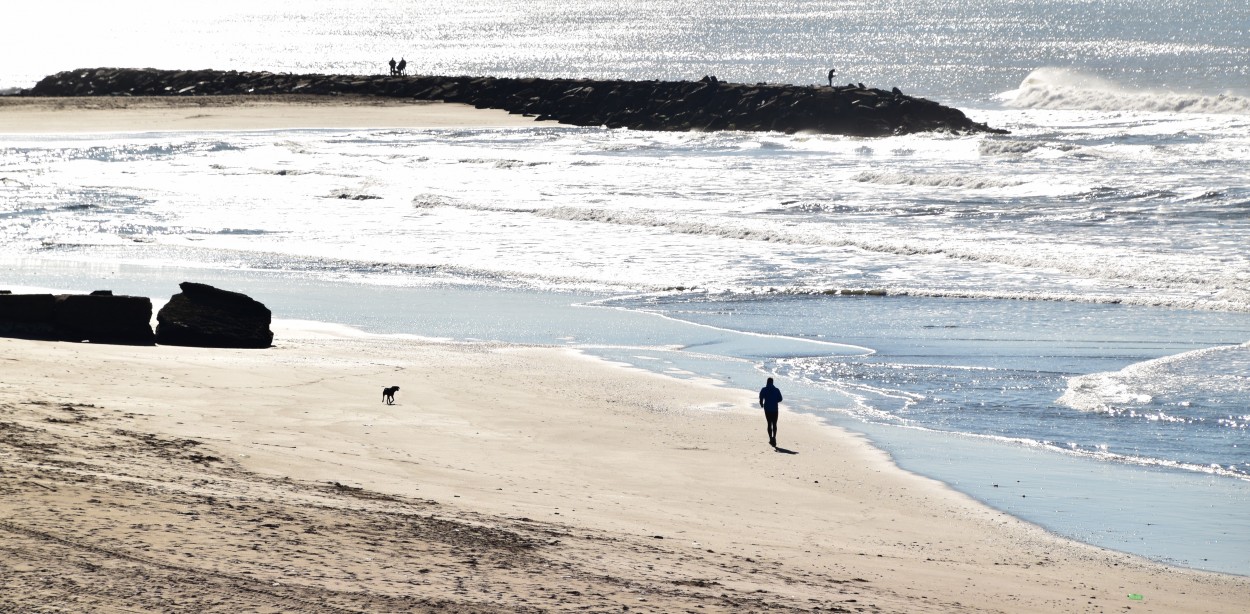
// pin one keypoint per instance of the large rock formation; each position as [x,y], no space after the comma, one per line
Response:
[708,104]
[204,316]
[98,318]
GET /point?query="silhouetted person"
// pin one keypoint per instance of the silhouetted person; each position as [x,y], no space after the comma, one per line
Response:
[399,68]
[392,67]
[832,72]
[770,396]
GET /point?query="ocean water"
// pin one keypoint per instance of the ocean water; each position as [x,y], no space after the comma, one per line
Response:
[1062,312]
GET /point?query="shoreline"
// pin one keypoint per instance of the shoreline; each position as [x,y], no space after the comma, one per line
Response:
[631,470]
[59,115]
[1081,500]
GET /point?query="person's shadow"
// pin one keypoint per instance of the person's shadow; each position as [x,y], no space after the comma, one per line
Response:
[783,450]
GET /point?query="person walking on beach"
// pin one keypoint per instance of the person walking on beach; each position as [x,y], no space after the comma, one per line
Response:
[770,396]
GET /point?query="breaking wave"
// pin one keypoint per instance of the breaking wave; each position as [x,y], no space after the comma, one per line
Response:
[430,201]
[1163,389]
[1057,88]
[1005,147]
[935,181]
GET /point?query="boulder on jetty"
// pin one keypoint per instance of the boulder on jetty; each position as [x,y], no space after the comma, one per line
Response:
[708,104]
[98,318]
[204,316]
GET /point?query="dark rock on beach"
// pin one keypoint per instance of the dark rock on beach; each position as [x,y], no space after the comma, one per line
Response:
[104,318]
[200,316]
[708,104]
[98,318]
[204,316]
[28,316]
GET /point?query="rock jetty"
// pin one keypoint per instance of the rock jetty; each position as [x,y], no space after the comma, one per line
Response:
[706,105]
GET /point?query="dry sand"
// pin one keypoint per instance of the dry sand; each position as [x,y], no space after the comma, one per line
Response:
[32,115]
[502,479]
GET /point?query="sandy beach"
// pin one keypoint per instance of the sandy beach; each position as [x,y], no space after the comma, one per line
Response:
[503,479]
[33,115]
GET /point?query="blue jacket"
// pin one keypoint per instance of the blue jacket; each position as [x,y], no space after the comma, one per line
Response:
[770,396]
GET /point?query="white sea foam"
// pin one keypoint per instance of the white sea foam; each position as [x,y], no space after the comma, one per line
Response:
[686,210]
[1103,455]
[1136,389]
[1093,263]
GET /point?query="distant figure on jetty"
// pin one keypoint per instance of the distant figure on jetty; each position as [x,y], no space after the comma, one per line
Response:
[770,396]
[399,68]
[392,62]
[832,72]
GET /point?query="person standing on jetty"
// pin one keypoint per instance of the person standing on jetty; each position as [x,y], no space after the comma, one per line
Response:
[770,396]
[832,72]
[392,67]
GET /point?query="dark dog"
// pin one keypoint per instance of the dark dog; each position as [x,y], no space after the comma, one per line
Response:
[388,395]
